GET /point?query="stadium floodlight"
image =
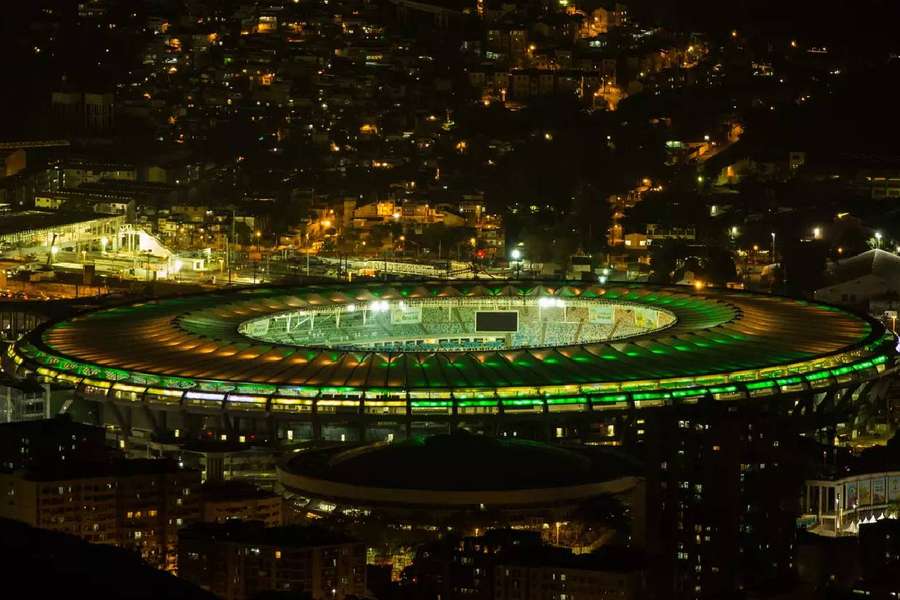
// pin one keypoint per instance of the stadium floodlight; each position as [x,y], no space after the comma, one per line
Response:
[548,301]
[378,305]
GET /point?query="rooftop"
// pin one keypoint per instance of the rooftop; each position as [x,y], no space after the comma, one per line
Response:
[879,263]
[37,219]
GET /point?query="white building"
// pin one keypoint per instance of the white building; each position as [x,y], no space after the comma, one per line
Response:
[859,279]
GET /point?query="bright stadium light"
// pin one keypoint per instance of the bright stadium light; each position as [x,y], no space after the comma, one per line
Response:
[378,305]
[548,301]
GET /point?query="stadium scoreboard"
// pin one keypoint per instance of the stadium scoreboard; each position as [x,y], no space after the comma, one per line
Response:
[497,320]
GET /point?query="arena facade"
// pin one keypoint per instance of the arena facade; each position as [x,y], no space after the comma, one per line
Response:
[363,361]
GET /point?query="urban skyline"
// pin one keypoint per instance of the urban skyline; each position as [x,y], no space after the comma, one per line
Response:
[450,299]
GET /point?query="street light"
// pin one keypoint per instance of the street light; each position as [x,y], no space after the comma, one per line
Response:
[817,233]
[878,239]
[773,246]
[516,256]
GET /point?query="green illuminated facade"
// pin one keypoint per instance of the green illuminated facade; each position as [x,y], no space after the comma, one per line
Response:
[196,353]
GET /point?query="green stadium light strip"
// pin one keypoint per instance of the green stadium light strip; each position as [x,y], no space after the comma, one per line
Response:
[725,389]
[689,393]
[573,400]
[818,376]
[526,402]
[178,385]
[651,396]
[611,398]
[430,404]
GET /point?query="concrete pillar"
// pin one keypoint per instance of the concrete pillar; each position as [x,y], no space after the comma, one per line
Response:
[47,414]
[215,467]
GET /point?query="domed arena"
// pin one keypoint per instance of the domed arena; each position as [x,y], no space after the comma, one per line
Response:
[451,475]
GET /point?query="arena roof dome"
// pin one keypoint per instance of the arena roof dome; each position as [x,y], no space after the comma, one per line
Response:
[466,346]
[459,468]
[459,461]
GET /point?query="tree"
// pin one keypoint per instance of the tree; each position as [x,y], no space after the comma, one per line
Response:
[666,257]
[803,266]
[719,268]
[590,216]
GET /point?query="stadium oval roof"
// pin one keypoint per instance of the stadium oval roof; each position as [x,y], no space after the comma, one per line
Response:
[190,349]
[457,470]
[456,462]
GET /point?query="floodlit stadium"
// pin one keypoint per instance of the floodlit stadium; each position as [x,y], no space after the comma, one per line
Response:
[269,359]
